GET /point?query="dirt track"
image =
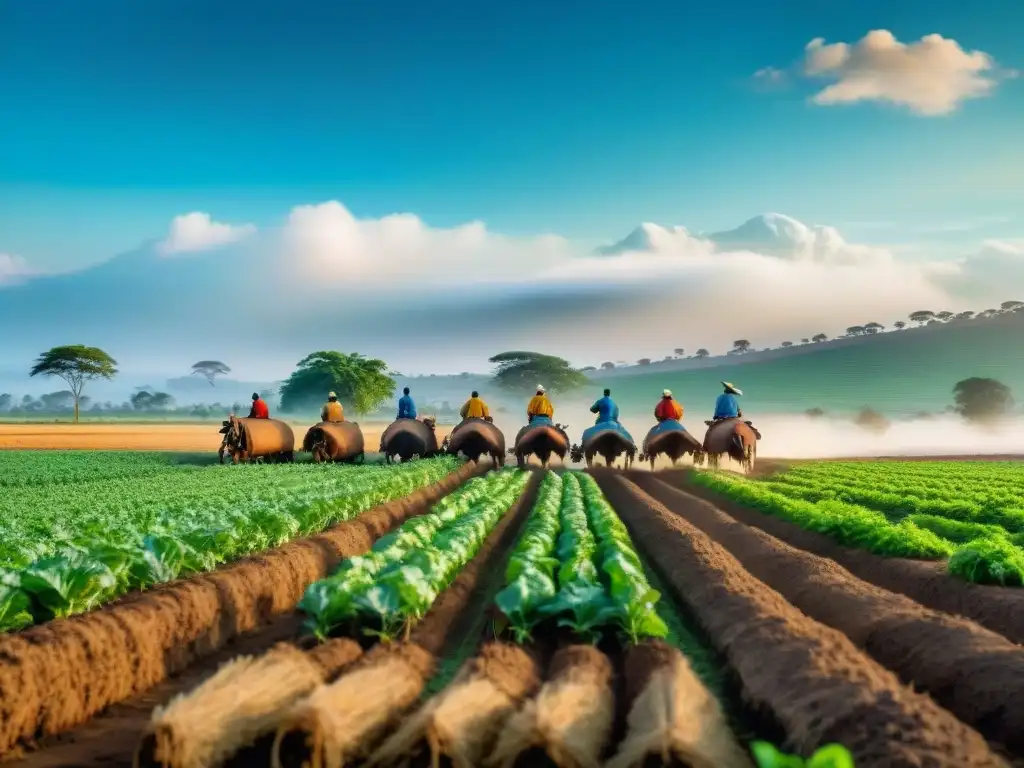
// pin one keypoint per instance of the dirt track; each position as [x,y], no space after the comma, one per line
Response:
[144,437]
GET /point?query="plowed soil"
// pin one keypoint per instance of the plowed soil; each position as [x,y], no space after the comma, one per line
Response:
[56,676]
[810,678]
[926,582]
[974,672]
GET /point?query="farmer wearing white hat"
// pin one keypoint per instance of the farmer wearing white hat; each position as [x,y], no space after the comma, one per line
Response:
[332,410]
[727,406]
[667,408]
[539,406]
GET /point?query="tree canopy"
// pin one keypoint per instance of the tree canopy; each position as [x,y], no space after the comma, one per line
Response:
[980,399]
[525,370]
[210,369]
[362,384]
[75,364]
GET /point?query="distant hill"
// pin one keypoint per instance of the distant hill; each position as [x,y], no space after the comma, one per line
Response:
[899,373]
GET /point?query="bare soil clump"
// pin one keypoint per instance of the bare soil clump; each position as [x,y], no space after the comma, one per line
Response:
[57,675]
[810,678]
[971,671]
[1000,609]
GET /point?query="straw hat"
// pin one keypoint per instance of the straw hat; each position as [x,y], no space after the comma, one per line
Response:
[331,394]
[731,388]
[540,388]
[666,393]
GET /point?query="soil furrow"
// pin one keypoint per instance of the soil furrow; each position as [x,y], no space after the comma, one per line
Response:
[971,671]
[57,676]
[342,723]
[810,678]
[1000,609]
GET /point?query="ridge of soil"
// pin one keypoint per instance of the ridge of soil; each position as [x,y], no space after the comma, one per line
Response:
[57,675]
[975,673]
[816,684]
[1000,609]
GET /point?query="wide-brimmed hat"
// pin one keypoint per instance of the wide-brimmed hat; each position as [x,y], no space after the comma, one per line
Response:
[331,394]
[540,388]
[734,389]
[666,393]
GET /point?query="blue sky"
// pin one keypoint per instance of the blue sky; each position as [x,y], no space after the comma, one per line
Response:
[580,118]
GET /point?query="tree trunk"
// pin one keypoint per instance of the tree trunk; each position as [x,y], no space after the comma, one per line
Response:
[76,410]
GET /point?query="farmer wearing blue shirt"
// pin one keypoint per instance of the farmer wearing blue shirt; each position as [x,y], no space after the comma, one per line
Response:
[406,407]
[727,406]
[605,408]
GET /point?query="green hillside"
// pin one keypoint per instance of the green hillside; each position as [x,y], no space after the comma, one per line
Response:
[899,373]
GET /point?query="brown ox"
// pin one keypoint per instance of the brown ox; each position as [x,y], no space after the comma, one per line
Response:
[335,441]
[609,444]
[406,438]
[542,441]
[673,443]
[733,437]
[256,440]
[475,438]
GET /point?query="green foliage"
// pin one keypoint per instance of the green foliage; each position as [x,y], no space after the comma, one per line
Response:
[829,756]
[77,530]
[361,383]
[979,399]
[395,584]
[969,512]
[522,371]
[75,364]
[575,540]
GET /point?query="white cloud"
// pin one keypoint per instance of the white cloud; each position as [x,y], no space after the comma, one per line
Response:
[992,274]
[931,76]
[197,231]
[13,269]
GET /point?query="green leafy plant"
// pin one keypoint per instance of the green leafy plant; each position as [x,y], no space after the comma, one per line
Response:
[829,756]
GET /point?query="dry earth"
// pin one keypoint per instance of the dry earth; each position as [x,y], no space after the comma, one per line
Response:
[141,436]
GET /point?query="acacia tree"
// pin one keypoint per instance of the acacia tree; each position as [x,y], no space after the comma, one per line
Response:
[899,325]
[819,337]
[525,370]
[679,351]
[75,365]
[787,344]
[922,316]
[945,316]
[1012,306]
[702,353]
[361,383]
[874,328]
[607,365]
[741,345]
[965,315]
[855,330]
[979,399]
[210,369]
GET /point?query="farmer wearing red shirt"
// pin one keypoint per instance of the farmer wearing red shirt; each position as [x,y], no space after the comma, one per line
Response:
[667,408]
[259,408]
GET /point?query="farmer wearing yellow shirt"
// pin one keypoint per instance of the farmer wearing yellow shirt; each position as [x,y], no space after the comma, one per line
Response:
[332,410]
[475,408]
[539,406]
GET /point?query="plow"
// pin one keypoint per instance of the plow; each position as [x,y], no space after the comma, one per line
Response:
[256,441]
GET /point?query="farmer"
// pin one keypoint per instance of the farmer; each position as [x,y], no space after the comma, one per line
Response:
[727,406]
[667,408]
[259,408]
[332,410]
[406,407]
[475,408]
[539,406]
[606,409]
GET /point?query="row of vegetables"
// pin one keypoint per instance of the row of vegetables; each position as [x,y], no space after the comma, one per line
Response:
[108,554]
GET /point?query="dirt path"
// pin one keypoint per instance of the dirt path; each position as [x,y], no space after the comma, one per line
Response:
[144,437]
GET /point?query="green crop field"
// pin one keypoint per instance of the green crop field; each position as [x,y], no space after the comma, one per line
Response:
[971,513]
[79,528]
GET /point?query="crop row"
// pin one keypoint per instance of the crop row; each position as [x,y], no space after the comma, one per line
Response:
[396,583]
[575,565]
[113,536]
[975,551]
[68,468]
[961,477]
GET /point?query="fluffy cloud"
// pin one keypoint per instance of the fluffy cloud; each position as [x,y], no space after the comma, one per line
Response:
[196,231]
[992,274]
[13,269]
[931,76]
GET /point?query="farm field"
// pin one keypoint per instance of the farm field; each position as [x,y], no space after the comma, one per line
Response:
[969,515]
[502,618]
[155,436]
